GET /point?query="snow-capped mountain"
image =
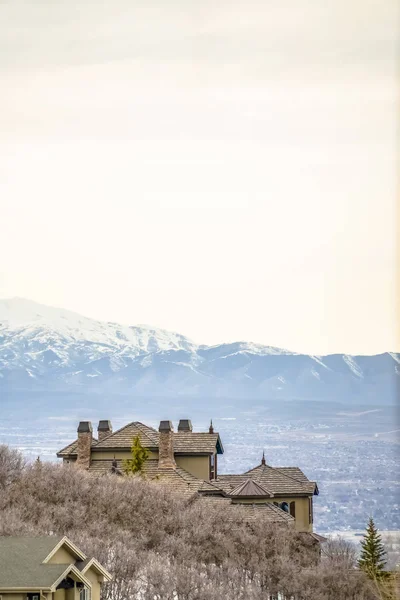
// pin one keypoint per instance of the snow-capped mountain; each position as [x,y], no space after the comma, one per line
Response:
[46,348]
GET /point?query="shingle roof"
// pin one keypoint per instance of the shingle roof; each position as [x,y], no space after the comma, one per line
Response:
[250,512]
[277,481]
[185,442]
[196,442]
[177,479]
[21,562]
[122,438]
[72,448]
[249,488]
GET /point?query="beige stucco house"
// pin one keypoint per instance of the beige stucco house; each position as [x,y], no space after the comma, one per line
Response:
[48,568]
[187,462]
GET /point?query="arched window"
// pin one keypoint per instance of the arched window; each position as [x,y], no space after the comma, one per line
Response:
[284,506]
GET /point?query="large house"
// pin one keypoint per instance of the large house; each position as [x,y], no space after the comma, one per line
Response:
[48,568]
[187,462]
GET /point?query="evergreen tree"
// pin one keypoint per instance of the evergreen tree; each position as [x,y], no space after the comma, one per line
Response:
[372,558]
[139,456]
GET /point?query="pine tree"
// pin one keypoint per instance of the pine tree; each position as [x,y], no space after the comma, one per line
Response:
[139,456]
[372,558]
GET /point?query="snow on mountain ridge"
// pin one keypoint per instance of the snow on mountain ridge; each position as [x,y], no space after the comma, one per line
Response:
[48,325]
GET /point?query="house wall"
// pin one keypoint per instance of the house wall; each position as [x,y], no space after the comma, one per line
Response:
[59,595]
[18,596]
[62,557]
[72,594]
[199,466]
[302,511]
[95,581]
[119,455]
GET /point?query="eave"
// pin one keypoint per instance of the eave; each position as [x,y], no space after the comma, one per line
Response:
[72,569]
[71,547]
[93,563]
[12,590]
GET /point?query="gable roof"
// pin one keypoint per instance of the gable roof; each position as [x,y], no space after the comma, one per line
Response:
[185,442]
[122,438]
[278,482]
[72,549]
[22,563]
[92,563]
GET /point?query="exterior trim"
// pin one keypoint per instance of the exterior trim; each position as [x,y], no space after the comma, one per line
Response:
[65,541]
[76,572]
[24,589]
[95,563]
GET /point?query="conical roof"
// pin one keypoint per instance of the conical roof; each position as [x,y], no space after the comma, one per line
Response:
[250,489]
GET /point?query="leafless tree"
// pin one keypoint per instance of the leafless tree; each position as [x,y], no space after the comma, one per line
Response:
[11,465]
[160,546]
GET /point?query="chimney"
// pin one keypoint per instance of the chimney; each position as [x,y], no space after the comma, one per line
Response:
[103,430]
[185,425]
[85,436]
[166,458]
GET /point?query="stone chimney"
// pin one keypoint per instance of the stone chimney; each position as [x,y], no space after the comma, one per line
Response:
[185,425]
[166,458]
[85,436]
[103,430]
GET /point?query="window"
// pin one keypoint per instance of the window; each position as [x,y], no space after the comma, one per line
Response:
[212,466]
[310,510]
[284,506]
[84,594]
[293,509]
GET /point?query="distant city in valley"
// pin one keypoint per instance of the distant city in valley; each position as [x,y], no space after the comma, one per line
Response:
[333,416]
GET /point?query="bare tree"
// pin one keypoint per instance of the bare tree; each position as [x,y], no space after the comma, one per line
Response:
[12,464]
[160,546]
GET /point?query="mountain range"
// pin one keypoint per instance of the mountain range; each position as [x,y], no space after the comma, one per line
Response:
[57,351]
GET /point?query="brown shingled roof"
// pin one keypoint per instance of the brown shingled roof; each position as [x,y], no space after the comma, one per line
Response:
[250,512]
[176,478]
[122,438]
[72,448]
[249,488]
[184,442]
[276,481]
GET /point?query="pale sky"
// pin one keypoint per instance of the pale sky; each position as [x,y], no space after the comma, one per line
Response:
[223,169]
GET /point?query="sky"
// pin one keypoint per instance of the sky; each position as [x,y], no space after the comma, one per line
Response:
[227,170]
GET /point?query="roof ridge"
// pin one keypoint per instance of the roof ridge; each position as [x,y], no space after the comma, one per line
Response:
[277,470]
[139,425]
[135,423]
[248,481]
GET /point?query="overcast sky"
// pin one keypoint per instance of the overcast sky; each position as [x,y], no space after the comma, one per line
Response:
[223,169]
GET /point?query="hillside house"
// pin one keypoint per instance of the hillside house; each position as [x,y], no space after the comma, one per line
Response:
[48,568]
[187,462]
